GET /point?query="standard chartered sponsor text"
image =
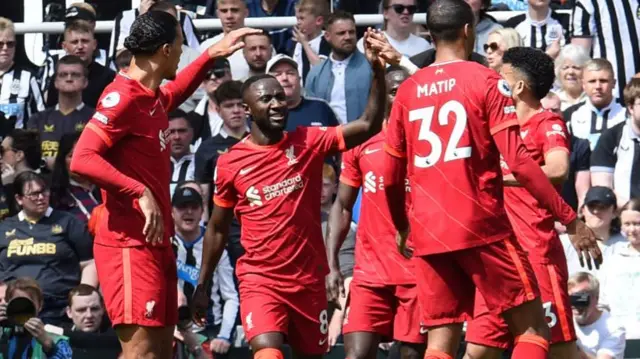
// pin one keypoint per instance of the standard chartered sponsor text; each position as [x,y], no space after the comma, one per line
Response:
[285,187]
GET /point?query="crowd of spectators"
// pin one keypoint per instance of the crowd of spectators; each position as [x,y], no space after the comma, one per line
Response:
[46,211]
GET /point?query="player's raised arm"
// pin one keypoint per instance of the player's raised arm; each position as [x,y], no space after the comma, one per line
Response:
[188,80]
[370,123]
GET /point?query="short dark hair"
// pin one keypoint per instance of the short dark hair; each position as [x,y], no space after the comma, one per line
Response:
[27,141]
[339,15]
[394,68]
[83,290]
[228,90]
[177,113]
[72,60]
[631,91]
[253,79]
[26,177]
[536,67]
[445,19]
[27,285]
[150,31]
[632,205]
[261,33]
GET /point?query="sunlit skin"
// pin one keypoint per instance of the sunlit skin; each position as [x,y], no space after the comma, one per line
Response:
[7,49]
[590,314]
[342,37]
[598,215]
[187,217]
[394,79]
[307,23]
[494,58]
[631,227]
[266,103]
[86,312]
[70,78]
[232,113]
[81,44]
[598,85]
[402,21]
[232,14]
[35,199]
[257,51]
[180,137]
[288,77]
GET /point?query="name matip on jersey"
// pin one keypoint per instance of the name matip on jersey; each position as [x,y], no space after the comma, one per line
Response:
[275,193]
[442,121]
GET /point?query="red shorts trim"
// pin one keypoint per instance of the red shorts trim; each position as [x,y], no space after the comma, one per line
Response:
[300,313]
[447,282]
[139,284]
[392,311]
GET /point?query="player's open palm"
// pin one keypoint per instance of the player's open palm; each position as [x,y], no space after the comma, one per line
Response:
[335,287]
[372,54]
[379,43]
[231,42]
[153,223]
[586,244]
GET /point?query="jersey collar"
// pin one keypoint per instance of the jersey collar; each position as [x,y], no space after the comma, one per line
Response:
[23,217]
[541,22]
[78,108]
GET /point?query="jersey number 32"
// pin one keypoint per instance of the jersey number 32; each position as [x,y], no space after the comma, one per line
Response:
[452,152]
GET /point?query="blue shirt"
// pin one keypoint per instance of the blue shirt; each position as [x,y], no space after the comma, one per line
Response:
[280,38]
[311,112]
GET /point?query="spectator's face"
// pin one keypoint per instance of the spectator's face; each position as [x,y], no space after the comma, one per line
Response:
[494,48]
[257,51]
[328,191]
[307,22]
[402,19]
[598,215]
[232,14]
[598,86]
[3,293]
[538,4]
[634,111]
[266,103]
[341,35]
[86,312]
[70,79]
[394,79]
[288,78]
[7,48]
[35,199]
[584,316]
[571,76]
[180,135]
[10,157]
[232,113]
[215,79]
[551,103]
[81,44]
[631,226]
[187,217]
[172,53]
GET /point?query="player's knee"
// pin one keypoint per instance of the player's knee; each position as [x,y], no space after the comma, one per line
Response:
[474,351]
[265,341]
[268,353]
[358,351]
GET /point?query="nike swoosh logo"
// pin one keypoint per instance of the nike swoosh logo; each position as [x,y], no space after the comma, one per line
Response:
[368,152]
[321,342]
[523,134]
[152,111]
[423,331]
[244,171]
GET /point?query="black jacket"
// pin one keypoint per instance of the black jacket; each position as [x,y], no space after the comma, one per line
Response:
[428,57]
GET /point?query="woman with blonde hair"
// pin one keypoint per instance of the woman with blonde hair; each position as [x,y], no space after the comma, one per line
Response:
[499,41]
[569,64]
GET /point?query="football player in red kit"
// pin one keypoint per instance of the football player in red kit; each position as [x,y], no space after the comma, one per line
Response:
[123,149]
[271,181]
[530,75]
[448,126]
[382,303]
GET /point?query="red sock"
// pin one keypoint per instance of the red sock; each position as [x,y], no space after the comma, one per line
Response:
[268,353]
[530,346]
[436,354]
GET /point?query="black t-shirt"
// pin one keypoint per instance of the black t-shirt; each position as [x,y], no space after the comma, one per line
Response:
[578,161]
[99,78]
[52,125]
[311,112]
[428,57]
[49,251]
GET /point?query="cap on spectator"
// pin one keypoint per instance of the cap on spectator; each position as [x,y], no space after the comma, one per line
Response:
[219,66]
[281,58]
[600,194]
[79,13]
[184,196]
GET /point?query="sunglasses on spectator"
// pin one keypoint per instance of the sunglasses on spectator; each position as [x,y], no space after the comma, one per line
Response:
[399,9]
[218,73]
[493,46]
[8,44]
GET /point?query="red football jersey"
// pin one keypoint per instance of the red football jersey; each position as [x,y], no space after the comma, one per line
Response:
[275,193]
[533,224]
[132,120]
[442,121]
[377,259]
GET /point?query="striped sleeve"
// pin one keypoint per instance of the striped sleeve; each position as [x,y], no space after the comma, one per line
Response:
[189,31]
[35,102]
[583,24]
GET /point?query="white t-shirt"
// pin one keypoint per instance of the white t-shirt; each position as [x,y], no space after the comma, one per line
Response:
[412,45]
[239,66]
[338,96]
[605,336]
[573,263]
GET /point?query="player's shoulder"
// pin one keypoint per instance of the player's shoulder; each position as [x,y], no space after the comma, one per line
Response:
[118,94]
[545,117]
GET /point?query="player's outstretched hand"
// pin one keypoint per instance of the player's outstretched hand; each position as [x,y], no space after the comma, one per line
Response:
[199,305]
[335,287]
[401,243]
[372,54]
[379,43]
[231,42]
[585,243]
[153,223]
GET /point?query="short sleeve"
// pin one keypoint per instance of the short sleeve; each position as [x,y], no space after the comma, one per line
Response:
[552,134]
[613,344]
[583,23]
[350,174]
[499,108]
[110,121]
[396,142]
[80,238]
[582,152]
[332,118]
[324,139]
[224,193]
[603,158]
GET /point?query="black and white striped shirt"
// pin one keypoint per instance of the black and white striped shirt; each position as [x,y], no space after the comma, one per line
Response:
[182,170]
[222,290]
[20,95]
[541,34]
[586,121]
[122,27]
[614,26]
[618,153]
